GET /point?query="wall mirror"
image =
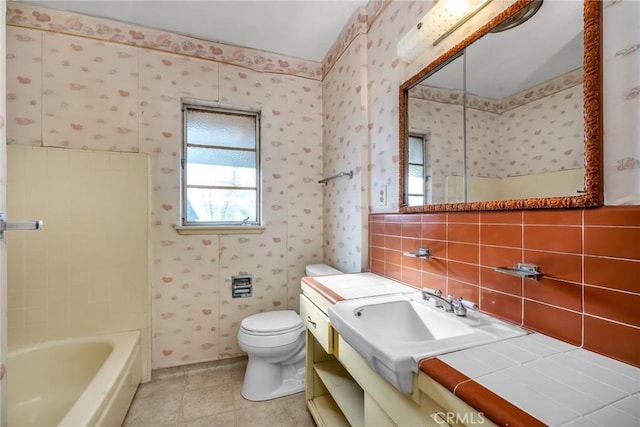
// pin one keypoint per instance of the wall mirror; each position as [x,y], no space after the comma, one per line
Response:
[510,118]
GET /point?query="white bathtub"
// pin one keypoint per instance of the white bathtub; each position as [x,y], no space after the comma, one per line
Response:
[76,382]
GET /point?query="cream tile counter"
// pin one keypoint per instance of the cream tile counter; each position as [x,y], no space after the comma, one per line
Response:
[529,380]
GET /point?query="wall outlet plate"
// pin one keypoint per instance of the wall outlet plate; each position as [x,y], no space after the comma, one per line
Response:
[382,196]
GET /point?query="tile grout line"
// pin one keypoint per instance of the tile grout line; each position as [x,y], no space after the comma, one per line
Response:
[582,288]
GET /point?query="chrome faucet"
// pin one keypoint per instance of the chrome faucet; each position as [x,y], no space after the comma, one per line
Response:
[244,221]
[442,302]
[457,306]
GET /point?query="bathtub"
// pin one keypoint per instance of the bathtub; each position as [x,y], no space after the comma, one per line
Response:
[75,382]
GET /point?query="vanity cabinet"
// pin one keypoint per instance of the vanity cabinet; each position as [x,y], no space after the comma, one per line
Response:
[333,396]
[343,390]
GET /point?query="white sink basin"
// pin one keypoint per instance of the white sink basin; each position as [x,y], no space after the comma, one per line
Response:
[393,333]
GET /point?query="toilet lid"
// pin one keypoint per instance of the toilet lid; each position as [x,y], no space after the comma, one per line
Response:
[271,322]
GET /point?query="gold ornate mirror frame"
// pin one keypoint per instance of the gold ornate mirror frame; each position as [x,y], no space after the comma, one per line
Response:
[593,122]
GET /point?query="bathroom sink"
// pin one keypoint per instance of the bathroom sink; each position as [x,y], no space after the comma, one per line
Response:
[393,333]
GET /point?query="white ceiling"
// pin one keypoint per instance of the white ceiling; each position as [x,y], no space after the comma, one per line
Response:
[303,29]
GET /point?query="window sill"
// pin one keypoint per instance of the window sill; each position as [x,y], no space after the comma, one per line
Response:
[199,229]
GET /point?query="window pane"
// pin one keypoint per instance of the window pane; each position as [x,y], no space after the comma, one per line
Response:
[215,167]
[209,205]
[416,179]
[223,130]
[416,200]
[415,150]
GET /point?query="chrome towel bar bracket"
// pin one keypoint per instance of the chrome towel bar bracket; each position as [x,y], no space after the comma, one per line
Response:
[420,253]
[528,271]
[325,181]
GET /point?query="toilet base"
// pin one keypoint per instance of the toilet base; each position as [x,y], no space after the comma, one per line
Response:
[266,381]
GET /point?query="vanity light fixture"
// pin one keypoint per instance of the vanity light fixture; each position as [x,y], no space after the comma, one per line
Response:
[442,19]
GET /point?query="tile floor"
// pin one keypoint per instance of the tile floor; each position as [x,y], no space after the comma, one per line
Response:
[208,395]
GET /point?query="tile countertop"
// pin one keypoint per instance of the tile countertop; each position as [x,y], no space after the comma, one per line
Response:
[528,380]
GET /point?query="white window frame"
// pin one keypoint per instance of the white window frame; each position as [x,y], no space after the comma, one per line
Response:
[214,227]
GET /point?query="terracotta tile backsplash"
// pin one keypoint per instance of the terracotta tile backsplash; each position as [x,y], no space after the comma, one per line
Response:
[591,260]
[554,321]
[597,271]
[619,242]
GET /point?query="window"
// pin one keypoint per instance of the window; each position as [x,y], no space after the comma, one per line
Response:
[418,173]
[220,166]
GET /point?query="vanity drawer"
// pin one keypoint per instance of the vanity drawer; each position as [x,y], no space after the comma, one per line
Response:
[317,322]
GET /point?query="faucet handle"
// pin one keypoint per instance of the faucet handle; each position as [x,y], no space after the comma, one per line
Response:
[469,304]
[460,306]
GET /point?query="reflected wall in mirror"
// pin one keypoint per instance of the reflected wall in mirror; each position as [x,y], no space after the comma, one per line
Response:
[510,119]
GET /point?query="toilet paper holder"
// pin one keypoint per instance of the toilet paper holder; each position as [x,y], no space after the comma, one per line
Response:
[241,286]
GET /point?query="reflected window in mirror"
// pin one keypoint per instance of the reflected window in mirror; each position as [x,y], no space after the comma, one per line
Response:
[419,167]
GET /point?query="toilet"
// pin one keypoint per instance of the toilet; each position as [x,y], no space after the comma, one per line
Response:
[275,343]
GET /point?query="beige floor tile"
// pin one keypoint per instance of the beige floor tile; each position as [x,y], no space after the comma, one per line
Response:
[297,407]
[225,419]
[208,395]
[271,413]
[161,389]
[209,378]
[150,411]
[207,401]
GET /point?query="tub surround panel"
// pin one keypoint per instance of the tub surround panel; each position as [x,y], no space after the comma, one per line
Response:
[565,303]
[91,277]
[124,95]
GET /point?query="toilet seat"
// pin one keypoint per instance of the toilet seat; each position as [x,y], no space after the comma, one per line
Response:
[271,329]
[271,323]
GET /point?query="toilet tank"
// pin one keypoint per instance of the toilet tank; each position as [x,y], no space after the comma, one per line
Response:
[320,270]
